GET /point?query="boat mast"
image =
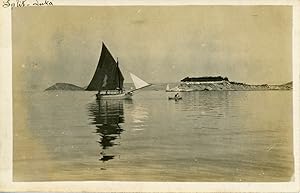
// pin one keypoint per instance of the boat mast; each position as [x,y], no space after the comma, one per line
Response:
[118,74]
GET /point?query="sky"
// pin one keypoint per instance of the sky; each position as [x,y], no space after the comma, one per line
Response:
[251,44]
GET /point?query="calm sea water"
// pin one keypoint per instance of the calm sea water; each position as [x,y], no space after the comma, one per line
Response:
[207,136]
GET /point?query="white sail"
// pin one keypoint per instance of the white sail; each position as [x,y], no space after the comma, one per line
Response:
[168,87]
[138,83]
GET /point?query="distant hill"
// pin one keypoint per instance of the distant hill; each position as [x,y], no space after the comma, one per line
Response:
[288,85]
[64,86]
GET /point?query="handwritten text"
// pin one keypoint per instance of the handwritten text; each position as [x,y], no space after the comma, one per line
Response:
[25,3]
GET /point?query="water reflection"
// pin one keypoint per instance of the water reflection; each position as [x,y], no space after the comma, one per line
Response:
[107,115]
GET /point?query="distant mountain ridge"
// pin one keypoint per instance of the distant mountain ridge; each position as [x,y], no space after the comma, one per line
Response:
[182,87]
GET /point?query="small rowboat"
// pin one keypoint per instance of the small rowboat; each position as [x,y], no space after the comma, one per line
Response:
[175,98]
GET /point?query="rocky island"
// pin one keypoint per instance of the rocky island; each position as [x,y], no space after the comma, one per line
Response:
[218,83]
[64,86]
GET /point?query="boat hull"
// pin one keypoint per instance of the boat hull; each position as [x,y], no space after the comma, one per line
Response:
[175,98]
[114,96]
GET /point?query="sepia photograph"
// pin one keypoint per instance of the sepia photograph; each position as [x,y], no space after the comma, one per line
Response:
[153,93]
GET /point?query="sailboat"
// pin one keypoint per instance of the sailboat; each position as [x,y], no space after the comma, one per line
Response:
[108,79]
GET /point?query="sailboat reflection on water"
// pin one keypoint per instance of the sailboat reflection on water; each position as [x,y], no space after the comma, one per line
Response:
[107,115]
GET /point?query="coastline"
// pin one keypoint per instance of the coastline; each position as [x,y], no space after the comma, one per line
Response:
[227,86]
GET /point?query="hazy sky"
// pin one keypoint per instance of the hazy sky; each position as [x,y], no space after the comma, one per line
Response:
[250,44]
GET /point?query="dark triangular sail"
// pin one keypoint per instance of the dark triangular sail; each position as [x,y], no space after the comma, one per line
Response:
[108,76]
[119,77]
